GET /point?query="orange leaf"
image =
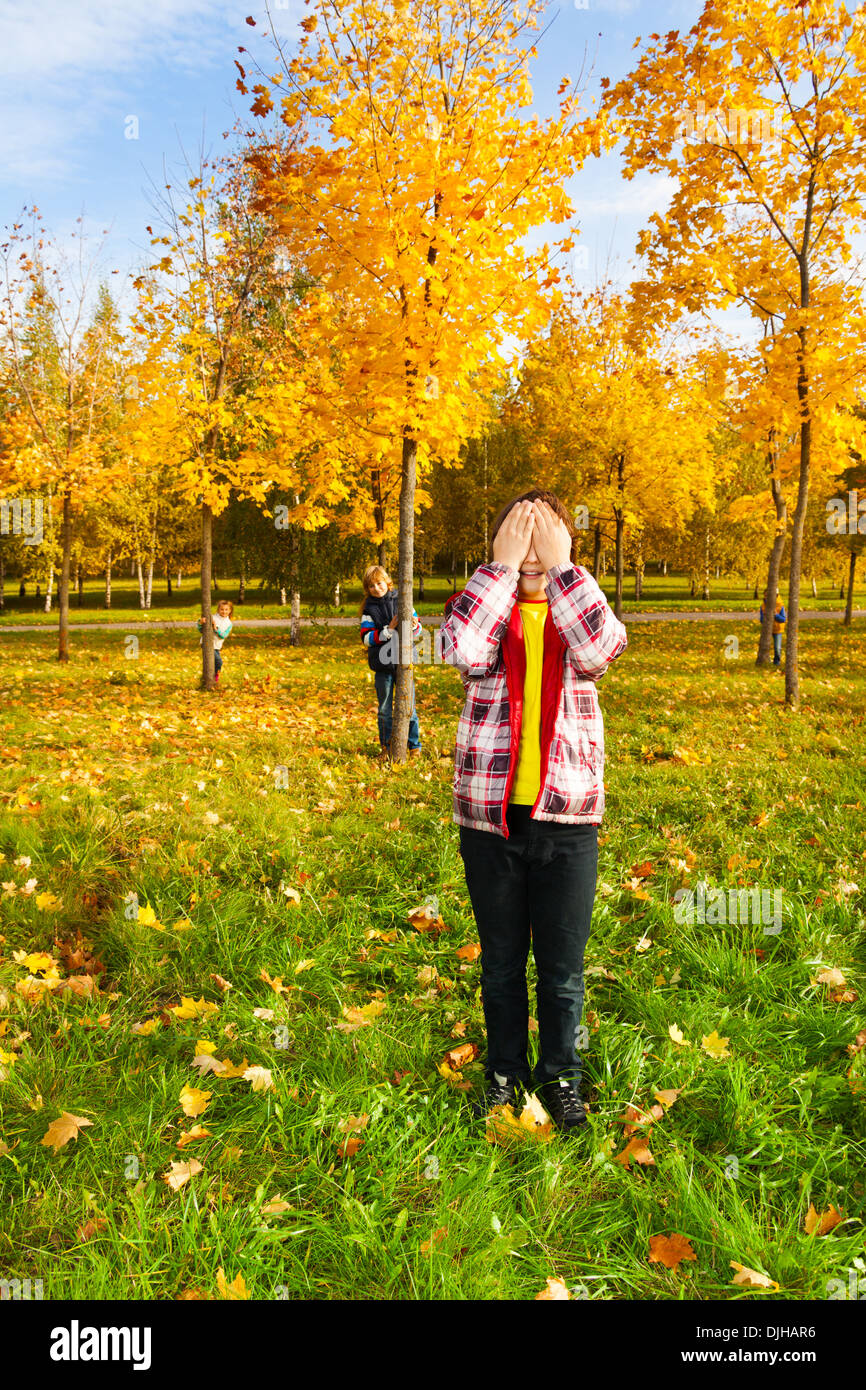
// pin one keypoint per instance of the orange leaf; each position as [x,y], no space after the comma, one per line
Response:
[670,1250]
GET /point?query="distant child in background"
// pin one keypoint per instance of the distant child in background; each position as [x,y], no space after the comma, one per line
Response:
[221,621]
[378,628]
[779,619]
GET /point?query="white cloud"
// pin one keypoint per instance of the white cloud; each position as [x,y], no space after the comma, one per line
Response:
[638,198]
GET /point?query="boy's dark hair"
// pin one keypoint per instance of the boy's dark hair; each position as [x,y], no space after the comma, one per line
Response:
[535,494]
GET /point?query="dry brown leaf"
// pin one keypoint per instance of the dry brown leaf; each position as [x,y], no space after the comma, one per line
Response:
[189,1136]
[470,952]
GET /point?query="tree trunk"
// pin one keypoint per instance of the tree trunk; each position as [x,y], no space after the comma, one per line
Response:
[849,606]
[132,567]
[420,588]
[2,581]
[453,575]
[107,603]
[168,581]
[402,702]
[337,594]
[208,681]
[620,527]
[664,566]
[705,593]
[141,598]
[149,589]
[765,645]
[63,647]
[177,586]
[465,568]
[814,588]
[596,552]
[242,581]
[78,585]
[283,596]
[295,582]
[638,573]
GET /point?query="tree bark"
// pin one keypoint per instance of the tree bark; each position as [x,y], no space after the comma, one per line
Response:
[765,645]
[107,603]
[596,552]
[208,681]
[63,646]
[849,605]
[295,583]
[168,581]
[242,581]
[2,581]
[402,701]
[620,528]
[705,592]
[140,572]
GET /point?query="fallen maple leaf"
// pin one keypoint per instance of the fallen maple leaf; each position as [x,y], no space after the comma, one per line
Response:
[194,1102]
[426,918]
[193,1008]
[470,952]
[666,1098]
[235,1290]
[752,1278]
[670,1250]
[353,1123]
[88,1229]
[190,1135]
[205,1063]
[64,1128]
[275,1207]
[555,1290]
[636,1149]
[260,1077]
[461,1056]
[714,1046]
[821,1223]
[181,1172]
[677,1037]
[349,1146]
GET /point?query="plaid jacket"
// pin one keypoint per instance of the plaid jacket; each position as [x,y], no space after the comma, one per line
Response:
[482,636]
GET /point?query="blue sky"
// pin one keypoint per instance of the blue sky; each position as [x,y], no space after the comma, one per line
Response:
[73,75]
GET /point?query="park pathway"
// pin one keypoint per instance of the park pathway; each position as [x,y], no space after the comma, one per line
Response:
[427,620]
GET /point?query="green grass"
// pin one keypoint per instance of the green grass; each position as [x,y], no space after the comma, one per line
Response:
[113,752]
[660,592]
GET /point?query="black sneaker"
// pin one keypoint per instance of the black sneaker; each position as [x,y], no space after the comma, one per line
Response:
[562,1099]
[499,1092]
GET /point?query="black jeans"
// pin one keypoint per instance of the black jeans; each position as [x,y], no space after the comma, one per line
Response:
[539,882]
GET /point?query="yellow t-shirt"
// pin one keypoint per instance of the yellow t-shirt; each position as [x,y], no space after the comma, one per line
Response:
[527,779]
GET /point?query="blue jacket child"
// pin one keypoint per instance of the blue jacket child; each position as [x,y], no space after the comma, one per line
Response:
[378,634]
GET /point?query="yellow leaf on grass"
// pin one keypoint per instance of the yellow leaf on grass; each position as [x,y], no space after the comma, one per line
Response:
[353,1123]
[203,1046]
[715,1046]
[235,1290]
[194,1102]
[180,1172]
[205,1063]
[304,965]
[470,952]
[193,1008]
[675,1034]
[260,1077]
[35,963]
[275,1207]
[228,1071]
[666,1098]
[190,1135]
[47,902]
[752,1278]
[64,1128]
[143,1029]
